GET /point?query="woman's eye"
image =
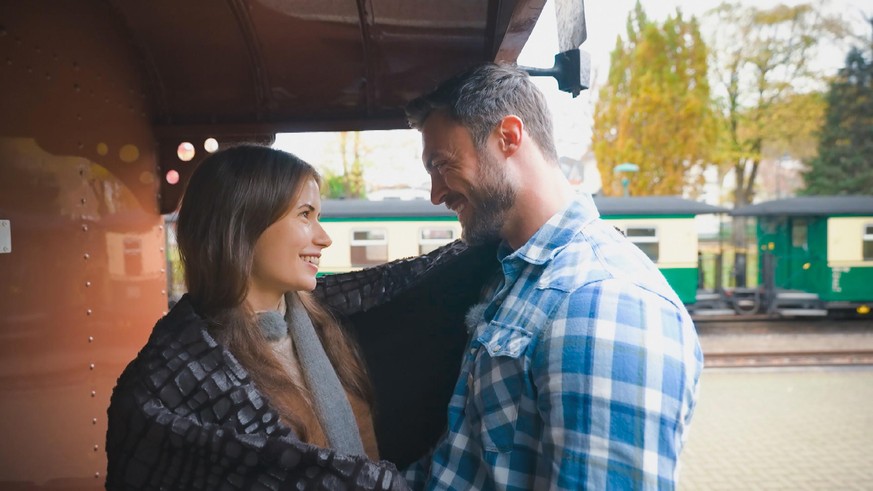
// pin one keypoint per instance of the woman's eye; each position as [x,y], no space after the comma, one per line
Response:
[305,214]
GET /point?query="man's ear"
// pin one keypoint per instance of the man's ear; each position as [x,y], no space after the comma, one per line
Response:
[510,132]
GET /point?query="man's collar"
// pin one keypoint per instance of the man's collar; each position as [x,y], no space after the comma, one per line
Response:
[556,233]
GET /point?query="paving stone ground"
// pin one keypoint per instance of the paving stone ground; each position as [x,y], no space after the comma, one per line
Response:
[782,429]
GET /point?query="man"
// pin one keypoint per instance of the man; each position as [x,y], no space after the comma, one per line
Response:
[582,366]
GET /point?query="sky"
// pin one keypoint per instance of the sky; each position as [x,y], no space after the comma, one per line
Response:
[395,155]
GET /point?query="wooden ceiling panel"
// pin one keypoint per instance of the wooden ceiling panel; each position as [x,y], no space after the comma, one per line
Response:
[279,65]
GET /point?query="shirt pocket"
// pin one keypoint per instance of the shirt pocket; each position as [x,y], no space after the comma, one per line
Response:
[498,385]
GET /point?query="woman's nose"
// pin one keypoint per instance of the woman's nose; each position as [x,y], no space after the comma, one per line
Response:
[321,237]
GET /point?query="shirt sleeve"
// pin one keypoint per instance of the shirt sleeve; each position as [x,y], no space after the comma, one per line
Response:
[613,389]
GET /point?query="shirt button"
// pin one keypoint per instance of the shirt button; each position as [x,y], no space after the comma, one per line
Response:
[496,347]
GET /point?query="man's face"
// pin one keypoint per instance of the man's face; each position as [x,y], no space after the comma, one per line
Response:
[473,184]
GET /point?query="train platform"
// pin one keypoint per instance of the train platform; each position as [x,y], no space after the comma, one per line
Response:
[782,428]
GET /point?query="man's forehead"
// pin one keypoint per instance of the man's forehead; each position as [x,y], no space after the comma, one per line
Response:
[441,129]
[437,139]
[438,118]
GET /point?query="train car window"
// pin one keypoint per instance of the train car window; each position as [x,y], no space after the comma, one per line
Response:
[868,242]
[646,238]
[431,238]
[369,246]
[799,230]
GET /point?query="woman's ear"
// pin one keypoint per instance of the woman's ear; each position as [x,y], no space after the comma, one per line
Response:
[510,132]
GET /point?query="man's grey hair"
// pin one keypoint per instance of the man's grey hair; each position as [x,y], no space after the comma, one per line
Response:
[480,97]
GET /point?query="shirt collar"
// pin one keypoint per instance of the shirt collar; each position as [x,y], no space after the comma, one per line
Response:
[556,233]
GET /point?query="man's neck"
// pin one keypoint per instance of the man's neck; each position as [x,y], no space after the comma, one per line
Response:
[543,192]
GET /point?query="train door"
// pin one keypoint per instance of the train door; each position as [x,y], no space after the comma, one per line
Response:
[798,262]
[775,239]
[805,262]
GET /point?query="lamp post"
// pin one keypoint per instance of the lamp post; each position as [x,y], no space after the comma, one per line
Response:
[625,181]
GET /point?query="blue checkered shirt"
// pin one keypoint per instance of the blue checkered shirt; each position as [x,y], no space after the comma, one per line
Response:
[581,371]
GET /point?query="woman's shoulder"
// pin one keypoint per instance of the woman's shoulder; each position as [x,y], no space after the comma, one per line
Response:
[176,339]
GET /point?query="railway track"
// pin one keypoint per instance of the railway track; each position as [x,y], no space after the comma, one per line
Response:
[789,359]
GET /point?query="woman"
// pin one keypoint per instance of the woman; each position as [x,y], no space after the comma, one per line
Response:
[247,381]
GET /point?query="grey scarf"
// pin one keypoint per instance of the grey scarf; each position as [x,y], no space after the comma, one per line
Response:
[329,398]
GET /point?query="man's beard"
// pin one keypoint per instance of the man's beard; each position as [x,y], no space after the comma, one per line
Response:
[490,201]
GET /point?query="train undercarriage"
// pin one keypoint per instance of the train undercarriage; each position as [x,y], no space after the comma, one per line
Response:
[772,303]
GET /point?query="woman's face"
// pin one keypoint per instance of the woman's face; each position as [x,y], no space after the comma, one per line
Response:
[288,252]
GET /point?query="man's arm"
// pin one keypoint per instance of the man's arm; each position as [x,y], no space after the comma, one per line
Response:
[614,391]
[393,311]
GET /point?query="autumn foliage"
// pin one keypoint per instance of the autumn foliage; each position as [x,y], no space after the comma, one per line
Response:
[655,110]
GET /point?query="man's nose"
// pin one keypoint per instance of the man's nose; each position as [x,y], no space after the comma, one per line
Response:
[438,189]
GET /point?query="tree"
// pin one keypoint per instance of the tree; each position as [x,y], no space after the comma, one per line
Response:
[655,109]
[761,59]
[349,184]
[844,164]
[795,122]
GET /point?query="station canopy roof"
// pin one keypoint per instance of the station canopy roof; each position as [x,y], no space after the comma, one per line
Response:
[810,206]
[249,67]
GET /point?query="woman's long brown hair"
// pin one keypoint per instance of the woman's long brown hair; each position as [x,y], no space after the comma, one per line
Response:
[232,197]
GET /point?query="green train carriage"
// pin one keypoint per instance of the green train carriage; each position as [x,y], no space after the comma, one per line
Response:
[665,228]
[366,233]
[816,253]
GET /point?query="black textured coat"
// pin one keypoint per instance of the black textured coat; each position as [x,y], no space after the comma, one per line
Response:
[408,318]
[185,414]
